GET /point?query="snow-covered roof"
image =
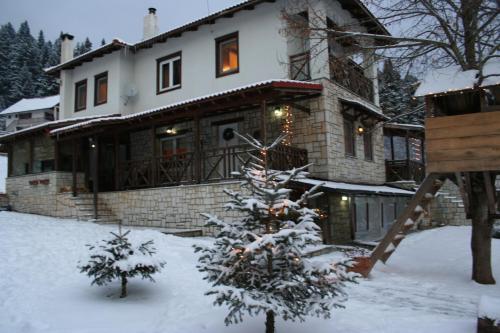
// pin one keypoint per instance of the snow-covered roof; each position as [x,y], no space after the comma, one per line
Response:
[356,188]
[274,83]
[370,108]
[31,104]
[453,78]
[413,127]
[49,124]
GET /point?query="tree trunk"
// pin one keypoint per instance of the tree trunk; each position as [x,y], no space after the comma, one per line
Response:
[482,225]
[124,285]
[270,321]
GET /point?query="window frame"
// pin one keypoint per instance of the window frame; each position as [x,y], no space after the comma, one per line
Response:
[218,42]
[77,85]
[25,115]
[96,79]
[171,58]
[368,145]
[347,120]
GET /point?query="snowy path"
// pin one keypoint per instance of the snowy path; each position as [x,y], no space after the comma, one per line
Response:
[424,288]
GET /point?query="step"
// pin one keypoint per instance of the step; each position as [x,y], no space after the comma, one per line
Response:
[180,232]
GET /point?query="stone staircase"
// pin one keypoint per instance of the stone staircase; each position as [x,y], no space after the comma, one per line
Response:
[448,207]
[84,204]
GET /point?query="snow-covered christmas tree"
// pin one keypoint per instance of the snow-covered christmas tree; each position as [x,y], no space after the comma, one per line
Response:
[118,257]
[256,264]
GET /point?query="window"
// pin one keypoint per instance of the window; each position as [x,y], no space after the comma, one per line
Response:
[81,95]
[368,144]
[349,137]
[25,116]
[48,116]
[227,55]
[299,67]
[101,89]
[168,73]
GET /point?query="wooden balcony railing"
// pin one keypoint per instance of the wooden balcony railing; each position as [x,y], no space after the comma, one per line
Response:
[350,75]
[398,170]
[214,165]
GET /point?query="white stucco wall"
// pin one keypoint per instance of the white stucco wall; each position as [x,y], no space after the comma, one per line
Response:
[262,56]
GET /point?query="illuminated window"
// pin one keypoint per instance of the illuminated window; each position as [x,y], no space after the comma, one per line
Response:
[81,95]
[101,89]
[168,73]
[227,55]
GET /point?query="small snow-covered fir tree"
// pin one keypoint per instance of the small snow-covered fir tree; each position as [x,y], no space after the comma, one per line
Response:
[256,263]
[118,258]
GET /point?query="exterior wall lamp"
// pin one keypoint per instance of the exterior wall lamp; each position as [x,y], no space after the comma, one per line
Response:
[278,112]
[345,198]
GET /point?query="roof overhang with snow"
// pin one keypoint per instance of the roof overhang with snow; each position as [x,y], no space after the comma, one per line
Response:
[454,80]
[32,104]
[44,128]
[352,188]
[274,92]
[364,108]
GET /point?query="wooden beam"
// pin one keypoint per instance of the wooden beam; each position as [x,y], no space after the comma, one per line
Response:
[154,162]
[56,156]
[116,140]
[10,158]
[31,154]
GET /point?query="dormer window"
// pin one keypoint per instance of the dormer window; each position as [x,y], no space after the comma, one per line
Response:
[227,55]
[101,89]
[81,95]
[168,70]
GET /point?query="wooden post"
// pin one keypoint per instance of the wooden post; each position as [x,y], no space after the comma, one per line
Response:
[94,152]
[197,148]
[10,158]
[31,153]
[263,121]
[73,169]
[56,156]
[117,160]
[154,162]
[392,147]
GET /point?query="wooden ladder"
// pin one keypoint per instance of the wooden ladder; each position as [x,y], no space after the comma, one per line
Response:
[412,214]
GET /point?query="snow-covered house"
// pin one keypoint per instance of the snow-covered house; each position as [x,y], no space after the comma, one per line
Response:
[148,127]
[29,112]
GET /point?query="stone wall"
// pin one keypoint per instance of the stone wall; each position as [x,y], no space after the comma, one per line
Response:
[41,193]
[447,207]
[177,207]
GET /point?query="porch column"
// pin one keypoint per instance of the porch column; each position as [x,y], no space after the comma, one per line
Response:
[73,168]
[94,149]
[31,153]
[197,148]
[10,158]
[116,139]
[56,155]
[263,121]
[154,162]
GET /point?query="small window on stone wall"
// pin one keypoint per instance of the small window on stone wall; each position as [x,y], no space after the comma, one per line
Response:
[349,137]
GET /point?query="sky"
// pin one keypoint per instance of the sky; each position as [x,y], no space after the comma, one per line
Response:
[107,19]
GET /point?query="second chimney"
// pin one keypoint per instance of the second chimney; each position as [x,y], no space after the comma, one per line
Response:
[67,48]
[150,24]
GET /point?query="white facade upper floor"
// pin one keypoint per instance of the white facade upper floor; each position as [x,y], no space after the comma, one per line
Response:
[236,47]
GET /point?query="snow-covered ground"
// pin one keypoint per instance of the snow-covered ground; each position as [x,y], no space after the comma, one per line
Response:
[425,287]
[3,172]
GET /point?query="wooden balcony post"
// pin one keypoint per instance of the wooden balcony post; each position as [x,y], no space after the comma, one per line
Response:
[94,155]
[197,148]
[263,121]
[56,156]
[116,140]
[154,162]
[31,153]
[10,158]
[73,169]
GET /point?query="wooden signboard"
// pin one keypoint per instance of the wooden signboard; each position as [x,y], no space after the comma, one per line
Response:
[468,142]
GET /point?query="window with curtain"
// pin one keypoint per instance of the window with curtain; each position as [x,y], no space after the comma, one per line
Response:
[227,54]
[101,89]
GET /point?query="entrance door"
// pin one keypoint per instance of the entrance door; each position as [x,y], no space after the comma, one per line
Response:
[228,140]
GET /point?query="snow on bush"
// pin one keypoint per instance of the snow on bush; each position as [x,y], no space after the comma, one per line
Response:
[118,257]
[256,263]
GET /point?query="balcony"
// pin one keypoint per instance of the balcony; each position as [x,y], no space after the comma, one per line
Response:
[399,170]
[351,76]
[211,166]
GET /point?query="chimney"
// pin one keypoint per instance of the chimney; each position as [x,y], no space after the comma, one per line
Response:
[66,47]
[150,24]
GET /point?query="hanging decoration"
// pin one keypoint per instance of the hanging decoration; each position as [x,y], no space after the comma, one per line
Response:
[287,125]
